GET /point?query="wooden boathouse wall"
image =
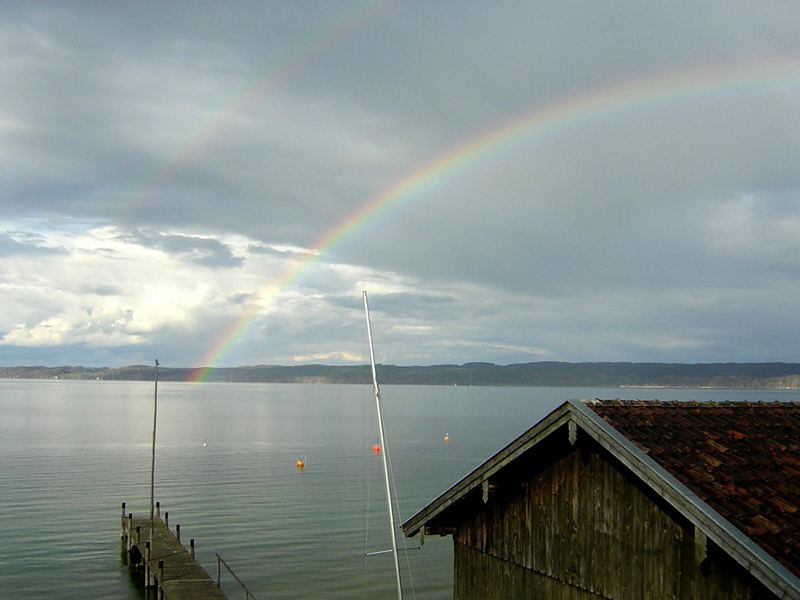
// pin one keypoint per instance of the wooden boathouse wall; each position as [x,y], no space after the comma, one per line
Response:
[580,527]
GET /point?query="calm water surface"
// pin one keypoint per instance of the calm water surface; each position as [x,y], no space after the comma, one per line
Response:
[72,452]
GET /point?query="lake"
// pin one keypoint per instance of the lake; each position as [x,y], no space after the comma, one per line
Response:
[72,452]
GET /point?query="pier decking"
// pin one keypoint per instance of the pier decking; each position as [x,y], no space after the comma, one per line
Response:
[169,568]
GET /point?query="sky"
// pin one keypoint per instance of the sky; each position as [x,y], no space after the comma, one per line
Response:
[214,184]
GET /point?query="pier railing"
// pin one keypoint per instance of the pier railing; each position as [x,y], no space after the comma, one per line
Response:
[221,562]
[165,568]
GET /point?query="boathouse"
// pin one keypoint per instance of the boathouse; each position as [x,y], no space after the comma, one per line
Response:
[627,500]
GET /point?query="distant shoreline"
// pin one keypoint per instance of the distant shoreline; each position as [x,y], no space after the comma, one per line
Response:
[779,376]
[467,385]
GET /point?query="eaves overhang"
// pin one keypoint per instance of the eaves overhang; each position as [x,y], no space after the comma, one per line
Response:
[578,415]
[474,480]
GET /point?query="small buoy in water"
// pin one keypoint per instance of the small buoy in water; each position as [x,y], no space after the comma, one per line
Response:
[301,462]
[376,449]
[446,438]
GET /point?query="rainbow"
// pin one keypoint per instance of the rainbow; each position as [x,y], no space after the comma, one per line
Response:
[534,124]
[305,50]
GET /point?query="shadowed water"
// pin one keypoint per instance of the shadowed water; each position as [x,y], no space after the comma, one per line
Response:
[72,452]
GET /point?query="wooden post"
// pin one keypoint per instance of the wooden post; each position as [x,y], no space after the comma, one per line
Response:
[178,532]
[218,573]
[161,579]
[153,460]
[166,519]
[147,574]
[191,546]
[138,534]
[158,509]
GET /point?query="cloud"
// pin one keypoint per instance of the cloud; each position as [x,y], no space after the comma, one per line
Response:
[21,243]
[173,174]
[329,357]
[109,298]
[202,250]
[277,250]
[101,290]
[512,349]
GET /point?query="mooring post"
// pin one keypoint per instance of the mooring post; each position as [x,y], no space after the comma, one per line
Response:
[138,534]
[178,532]
[218,573]
[130,533]
[166,519]
[191,546]
[158,509]
[148,576]
[122,524]
[161,579]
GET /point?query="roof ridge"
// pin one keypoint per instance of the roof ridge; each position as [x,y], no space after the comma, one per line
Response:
[791,404]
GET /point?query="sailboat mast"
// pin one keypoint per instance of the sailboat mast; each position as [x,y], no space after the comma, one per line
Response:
[384,448]
[153,459]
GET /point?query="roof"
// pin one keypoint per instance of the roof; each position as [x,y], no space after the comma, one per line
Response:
[742,458]
[694,503]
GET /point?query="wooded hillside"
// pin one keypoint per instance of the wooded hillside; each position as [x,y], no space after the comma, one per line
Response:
[719,375]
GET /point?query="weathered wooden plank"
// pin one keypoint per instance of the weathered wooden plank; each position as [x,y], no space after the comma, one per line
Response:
[168,565]
[581,526]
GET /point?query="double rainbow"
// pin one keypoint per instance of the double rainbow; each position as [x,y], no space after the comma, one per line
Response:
[533,125]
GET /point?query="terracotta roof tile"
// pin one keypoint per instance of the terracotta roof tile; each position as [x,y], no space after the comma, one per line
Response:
[742,458]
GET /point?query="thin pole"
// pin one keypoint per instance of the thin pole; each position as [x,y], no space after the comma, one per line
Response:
[384,448]
[153,460]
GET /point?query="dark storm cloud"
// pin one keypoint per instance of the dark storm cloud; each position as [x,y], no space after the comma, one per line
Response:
[646,230]
[205,251]
[240,299]
[398,305]
[101,290]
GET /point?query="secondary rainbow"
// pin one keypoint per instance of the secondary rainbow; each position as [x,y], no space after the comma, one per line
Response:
[533,125]
[306,49]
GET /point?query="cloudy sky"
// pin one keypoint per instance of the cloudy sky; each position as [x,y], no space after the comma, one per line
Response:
[510,181]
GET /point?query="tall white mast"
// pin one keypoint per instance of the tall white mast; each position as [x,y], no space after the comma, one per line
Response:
[384,448]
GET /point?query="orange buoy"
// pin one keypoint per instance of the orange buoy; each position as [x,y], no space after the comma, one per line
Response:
[376,449]
[301,462]
[446,438]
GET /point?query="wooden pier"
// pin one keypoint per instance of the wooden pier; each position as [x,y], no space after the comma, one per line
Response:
[168,568]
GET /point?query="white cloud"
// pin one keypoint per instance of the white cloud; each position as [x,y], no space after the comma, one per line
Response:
[45,333]
[512,349]
[329,356]
[144,291]
[170,174]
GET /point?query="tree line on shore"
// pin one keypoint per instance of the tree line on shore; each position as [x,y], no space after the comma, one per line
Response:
[590,374]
